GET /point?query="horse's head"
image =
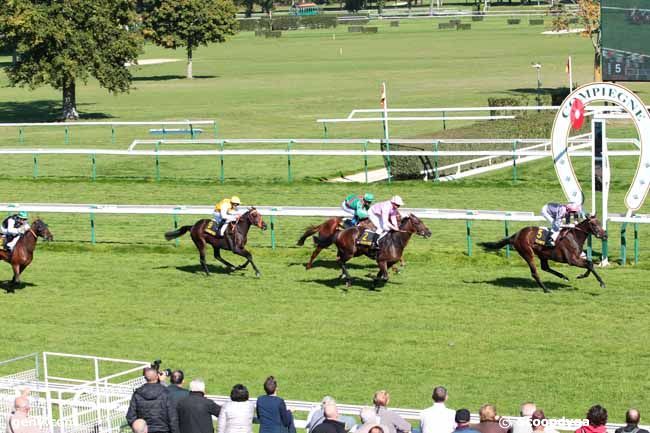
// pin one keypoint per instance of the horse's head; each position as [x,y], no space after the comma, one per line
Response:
[255,218]
[41,229]
[413,224]
[592,225]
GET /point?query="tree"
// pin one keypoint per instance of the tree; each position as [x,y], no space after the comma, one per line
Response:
[353,6]
[266,5]
[589,12]
[62,42]
[190,23]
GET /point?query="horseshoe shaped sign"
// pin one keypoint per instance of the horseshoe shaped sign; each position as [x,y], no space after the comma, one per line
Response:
[572,107]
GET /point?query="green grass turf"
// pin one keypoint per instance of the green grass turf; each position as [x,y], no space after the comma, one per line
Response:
[476,324]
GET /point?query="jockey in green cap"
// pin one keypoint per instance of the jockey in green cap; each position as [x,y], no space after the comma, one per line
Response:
[357,206]
[13,227]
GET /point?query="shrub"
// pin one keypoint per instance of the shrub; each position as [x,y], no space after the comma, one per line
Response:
[355,29]
[512,21]
[369,29]
[319,21]
[248,24]
[536,22]
[477,18]
[285,22]
[464,27]
[394,23]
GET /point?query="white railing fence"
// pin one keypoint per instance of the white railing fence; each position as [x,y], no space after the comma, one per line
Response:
[79,405]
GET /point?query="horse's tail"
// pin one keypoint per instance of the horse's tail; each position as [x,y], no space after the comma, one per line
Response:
[497,245]
[177,233]
[310,231]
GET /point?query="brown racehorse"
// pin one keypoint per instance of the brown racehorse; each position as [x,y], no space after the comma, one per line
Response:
[324,235]
[567,249]
[234,240]
[391,247]
[23,252]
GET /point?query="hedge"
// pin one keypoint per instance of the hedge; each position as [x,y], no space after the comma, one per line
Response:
[394,23]
[287,22]
[529,125]
[369,29]
[477,18]
[536,22]
[446,26]
[513,21]
[464,27]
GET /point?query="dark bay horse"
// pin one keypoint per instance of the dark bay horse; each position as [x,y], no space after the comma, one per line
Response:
[235,238]
[391,247]
[324,235]
[567,249]
[23,252]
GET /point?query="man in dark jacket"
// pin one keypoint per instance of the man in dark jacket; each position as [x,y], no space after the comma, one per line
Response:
[331,423]
[175,388]
[151,402]
[632,418]
[195,412]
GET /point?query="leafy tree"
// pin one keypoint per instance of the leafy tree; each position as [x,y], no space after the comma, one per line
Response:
[354,6]
[266,5]
[62,42]
[248,7]
[589,13]
[190,23]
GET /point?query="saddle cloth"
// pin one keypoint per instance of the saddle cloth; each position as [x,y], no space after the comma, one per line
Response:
[212,228]
[542,236]
[367,237]
[3,242]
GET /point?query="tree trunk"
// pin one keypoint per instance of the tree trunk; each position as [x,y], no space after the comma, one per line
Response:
[70,101]
[598,73]
[189,61]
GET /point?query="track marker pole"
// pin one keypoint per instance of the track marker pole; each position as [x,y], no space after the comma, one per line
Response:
[35,166]
[636,243]
[365,159]
[623,243]
[222,168]
[468,225]
[93,172]
[507,231]
[177,240]
[157,161]
[272,222]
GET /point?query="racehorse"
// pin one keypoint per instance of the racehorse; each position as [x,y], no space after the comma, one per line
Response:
[567,249]
[324,235]
[391,247]
[234,239]
[23,252]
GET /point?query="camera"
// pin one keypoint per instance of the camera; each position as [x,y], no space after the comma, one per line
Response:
[156,366]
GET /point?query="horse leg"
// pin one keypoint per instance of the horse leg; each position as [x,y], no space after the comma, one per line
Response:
[528,255]
[345,274]
[313,257]
[200,245]
[249,259]
[584,263]
[15,281]
[547,268]
[382,275]
[217,255]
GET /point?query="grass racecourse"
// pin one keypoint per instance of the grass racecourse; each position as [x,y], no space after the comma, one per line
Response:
[475,324]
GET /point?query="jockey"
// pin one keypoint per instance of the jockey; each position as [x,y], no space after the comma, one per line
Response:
[357,206]
[226,212]
[14,226]
[384,215]
[555,212]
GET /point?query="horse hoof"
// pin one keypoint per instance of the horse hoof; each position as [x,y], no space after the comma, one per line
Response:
[348,284]
[602,285]
[308,266]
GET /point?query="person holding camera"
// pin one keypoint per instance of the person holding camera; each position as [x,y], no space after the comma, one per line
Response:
[175,387]
[151,402]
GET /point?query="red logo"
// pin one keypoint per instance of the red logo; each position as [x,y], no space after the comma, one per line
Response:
[577,114]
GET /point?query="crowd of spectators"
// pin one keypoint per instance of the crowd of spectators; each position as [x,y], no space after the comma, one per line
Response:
[158,407]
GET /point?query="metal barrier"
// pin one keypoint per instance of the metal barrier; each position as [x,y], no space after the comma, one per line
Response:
[327,212]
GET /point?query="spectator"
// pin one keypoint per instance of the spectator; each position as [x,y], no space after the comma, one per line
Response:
[195,411]
[369,422]
[522,425]
[597,416]
[394,422]
[489,422]
[331,423]
[19,421]
[317,415]
[438,418]
[461,418]
[139,426]
[151,402]
[175,388]
[632,418]
[538,422]
[272,411]
[372,428]
[236,416]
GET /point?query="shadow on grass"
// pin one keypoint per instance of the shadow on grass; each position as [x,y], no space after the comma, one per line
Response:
[9,288]
[198,269]
[365,284]
[42,111]
[527,284]
[172,77]
[333,264]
